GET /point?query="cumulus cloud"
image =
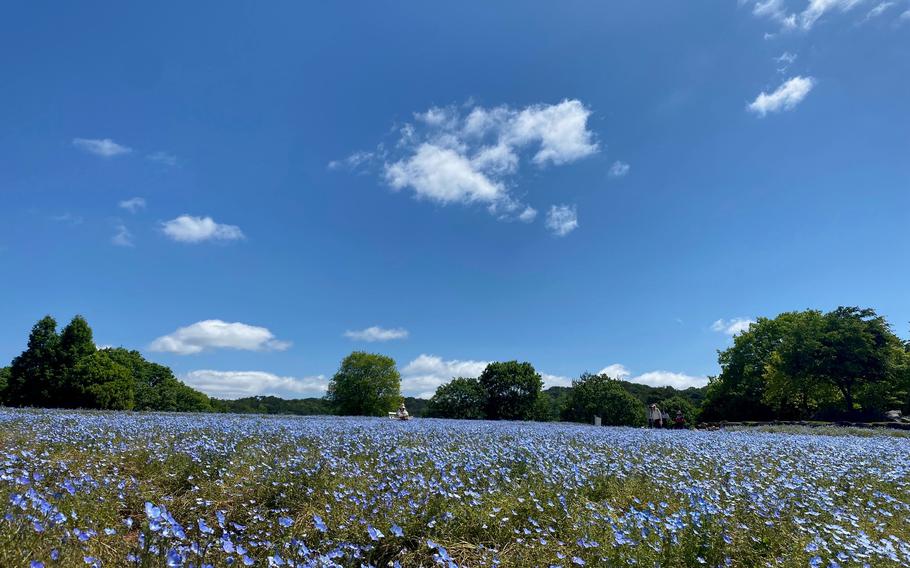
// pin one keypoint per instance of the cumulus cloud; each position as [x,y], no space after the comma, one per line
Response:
[133,204]
[189,229]
[669,379]
[616,371]
[619,169]
[733,326]
[422,376]
[376,333]
[162,158]
[122,236]
[240,384]
[785,97]
[470,155]
[105,147]
[216,334]
[562,219]
[555,380]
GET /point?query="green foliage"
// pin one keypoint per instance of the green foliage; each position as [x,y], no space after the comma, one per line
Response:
[273,405]
[804,364]
[97,381]
[676,404]
[4,381]
[366,384]
[599,395]
[512,390]
[66,371]
[459,398]
[34,374]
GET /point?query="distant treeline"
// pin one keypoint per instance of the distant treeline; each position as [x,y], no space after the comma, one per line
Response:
[846,363]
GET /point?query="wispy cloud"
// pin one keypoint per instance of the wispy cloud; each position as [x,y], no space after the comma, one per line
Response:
[240,384]
[189,229]
[619,169]
[815,10]
[654,378]
[163,158]
[133,204]
[733,326]
[376,333]
[68,218]
[785,97]
[562,219]
[122,236]
[104,147]
[217,334]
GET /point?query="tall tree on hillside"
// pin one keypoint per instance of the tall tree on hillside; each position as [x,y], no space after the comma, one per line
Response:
[103,383]
[366,384]
[33,374]
[512,390]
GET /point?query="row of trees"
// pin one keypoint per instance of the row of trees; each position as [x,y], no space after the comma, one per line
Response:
[812,364]
[67,370]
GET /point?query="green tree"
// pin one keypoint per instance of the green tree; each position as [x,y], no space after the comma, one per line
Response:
[103,383]
[599,395]
[459,398]
[676,404]
[366,384]
[76,343]
[156,388]
[512,389]
[4,381]
[34,373]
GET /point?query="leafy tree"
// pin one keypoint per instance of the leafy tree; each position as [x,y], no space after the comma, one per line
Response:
[4,381]
[366,384]
[676,404]
[34,374]
[103,383]
[512,389]
[76,343]
[459,398]
[156,388]
[599,395]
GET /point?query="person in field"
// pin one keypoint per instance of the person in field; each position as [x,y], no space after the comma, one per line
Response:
[402,413]
[654,417]
[665,419]
[679,420]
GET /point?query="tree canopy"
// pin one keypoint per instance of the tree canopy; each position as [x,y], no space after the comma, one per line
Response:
[459,398]
[512,390]
[600,395]
[366,384]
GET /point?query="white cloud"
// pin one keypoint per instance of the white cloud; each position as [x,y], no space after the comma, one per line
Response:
[106,147]
[216,334]
[443,175]
[669,379]
[905,17]
[619,169]
[240,384]
[562,219]
[616,371]
[654,378]
[122,237]
[189,229]
[777,11]
[470,154]
[376,333]
[733,326]
[785,97]
[555,380]
[163,158]
[133,204]
[422,376]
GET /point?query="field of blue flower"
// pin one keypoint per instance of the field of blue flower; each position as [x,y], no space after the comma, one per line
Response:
[120,489]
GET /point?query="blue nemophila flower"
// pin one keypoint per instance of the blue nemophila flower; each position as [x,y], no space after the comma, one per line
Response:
[285,521]
[396,531]
[375,534]
[578,561]
[36,564]
[320,525]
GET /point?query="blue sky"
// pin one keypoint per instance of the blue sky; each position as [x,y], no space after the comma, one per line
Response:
[248,192]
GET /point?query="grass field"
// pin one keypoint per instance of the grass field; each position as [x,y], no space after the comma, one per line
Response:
[96,489]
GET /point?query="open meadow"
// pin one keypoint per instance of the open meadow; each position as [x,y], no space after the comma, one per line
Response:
[120,489]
